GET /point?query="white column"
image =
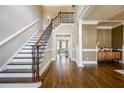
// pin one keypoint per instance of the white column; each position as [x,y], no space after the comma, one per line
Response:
[80,63]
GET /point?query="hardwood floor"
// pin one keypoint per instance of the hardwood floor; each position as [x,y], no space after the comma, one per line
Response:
[65,74]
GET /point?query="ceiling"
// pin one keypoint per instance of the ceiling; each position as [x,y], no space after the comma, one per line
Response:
[104,12]
[113,14]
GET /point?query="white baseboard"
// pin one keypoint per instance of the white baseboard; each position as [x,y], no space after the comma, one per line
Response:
[89,62]
[45,67]
[10,59]
[73,59]
[120,61]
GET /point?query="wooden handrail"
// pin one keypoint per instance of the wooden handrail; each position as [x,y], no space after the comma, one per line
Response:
[38,41]
[56,16]
[52,20]
[59,14]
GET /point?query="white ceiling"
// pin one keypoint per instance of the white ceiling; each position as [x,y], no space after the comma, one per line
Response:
[113,14]
[103,12]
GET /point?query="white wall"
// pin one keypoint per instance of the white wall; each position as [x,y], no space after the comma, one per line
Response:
[12,19]
[50,11]
[46,60]
[65,29]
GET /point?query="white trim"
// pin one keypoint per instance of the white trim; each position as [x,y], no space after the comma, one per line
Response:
[109,27]
[123,54]
[104,27]
[117,25]
[89,62]
[66,24]
[79,63]
[82,12]
[89,50]
[9,60]
[17,33]
[93,22]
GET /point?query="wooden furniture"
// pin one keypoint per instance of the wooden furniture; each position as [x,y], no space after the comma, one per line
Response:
[108,56]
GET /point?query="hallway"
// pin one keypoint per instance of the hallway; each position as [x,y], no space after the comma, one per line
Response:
[65,73]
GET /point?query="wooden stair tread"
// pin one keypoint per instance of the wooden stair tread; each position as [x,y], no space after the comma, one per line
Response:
[17,71]
[21,63]
[17,80]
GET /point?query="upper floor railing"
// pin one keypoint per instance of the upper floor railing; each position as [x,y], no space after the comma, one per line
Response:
[38,48]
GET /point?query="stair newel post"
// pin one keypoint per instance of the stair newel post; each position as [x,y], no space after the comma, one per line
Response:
[33,63]
[37,62]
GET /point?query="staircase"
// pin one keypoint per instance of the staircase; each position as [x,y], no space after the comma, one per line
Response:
[24,69]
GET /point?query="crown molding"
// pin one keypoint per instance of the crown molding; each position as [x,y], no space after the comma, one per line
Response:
[104,27]
[117,25]
[90,22]
[83,9]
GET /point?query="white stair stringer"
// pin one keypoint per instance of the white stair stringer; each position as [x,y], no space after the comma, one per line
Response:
[22,60]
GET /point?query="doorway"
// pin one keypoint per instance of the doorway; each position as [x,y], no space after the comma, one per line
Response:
[63,46]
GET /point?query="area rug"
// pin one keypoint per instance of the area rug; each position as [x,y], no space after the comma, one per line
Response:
[120,71]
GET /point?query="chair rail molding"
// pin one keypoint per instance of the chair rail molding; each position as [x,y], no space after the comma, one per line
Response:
[18,32]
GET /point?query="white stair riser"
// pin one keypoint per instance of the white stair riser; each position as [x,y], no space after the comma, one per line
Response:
[26,51]
[30,47]
[22,60]
[19,66]
[17,75]
[25,55]
[30,44]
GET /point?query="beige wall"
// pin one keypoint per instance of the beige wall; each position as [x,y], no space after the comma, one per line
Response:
[89,56]
[52,10]
[110,37]
[117,36]
[89,36]
[89,42]
[14,18]
[104,37]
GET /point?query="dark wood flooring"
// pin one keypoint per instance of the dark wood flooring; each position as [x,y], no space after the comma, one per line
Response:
[66,74]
